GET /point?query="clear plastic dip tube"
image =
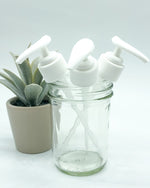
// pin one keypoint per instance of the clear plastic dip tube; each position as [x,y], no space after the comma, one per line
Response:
[80,126]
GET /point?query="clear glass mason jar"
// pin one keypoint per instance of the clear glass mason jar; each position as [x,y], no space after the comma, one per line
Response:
[80,126]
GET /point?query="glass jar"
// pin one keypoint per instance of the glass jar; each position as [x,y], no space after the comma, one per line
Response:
[80,126]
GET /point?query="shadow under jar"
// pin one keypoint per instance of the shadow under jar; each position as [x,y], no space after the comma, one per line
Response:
[80,126]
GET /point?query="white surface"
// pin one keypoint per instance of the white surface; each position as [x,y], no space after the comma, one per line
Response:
[66,22]
[129,150]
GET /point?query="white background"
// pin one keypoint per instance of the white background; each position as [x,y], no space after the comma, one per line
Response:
[66,22]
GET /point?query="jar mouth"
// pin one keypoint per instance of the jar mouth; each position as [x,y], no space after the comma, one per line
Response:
[107,85]
[101,90]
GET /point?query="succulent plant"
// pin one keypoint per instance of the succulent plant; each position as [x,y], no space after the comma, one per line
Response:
[30,88]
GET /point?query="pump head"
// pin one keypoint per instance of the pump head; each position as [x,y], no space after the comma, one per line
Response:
[80,52]
[39,45]
[110,63]
[52,64]
[83,67]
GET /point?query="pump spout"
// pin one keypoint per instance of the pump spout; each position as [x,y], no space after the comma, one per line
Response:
[39,45]
[120,44]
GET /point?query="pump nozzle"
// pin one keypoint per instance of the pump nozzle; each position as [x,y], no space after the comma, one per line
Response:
[110,63]
[83,66]
[120,44]
[39,45]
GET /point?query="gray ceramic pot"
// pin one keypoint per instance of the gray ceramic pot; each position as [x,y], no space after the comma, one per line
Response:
[31,127]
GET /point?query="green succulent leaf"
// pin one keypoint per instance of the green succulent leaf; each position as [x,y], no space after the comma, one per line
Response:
[34,64]
[37,77]
[29,87]
[32,92]
[6,78]
[16,80]
[14,56]
[25,71]
[44,92]
[15,90]
[29,45]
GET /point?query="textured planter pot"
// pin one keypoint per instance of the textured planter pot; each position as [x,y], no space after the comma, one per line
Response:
[31,127]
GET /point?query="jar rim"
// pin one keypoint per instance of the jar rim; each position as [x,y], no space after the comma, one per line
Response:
[64,85]
[67,91]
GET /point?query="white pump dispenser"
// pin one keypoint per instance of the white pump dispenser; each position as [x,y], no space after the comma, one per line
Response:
[110,63]
[83,67]
[52,65]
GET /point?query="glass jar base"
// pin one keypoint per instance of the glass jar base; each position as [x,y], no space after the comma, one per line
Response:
[80,163]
